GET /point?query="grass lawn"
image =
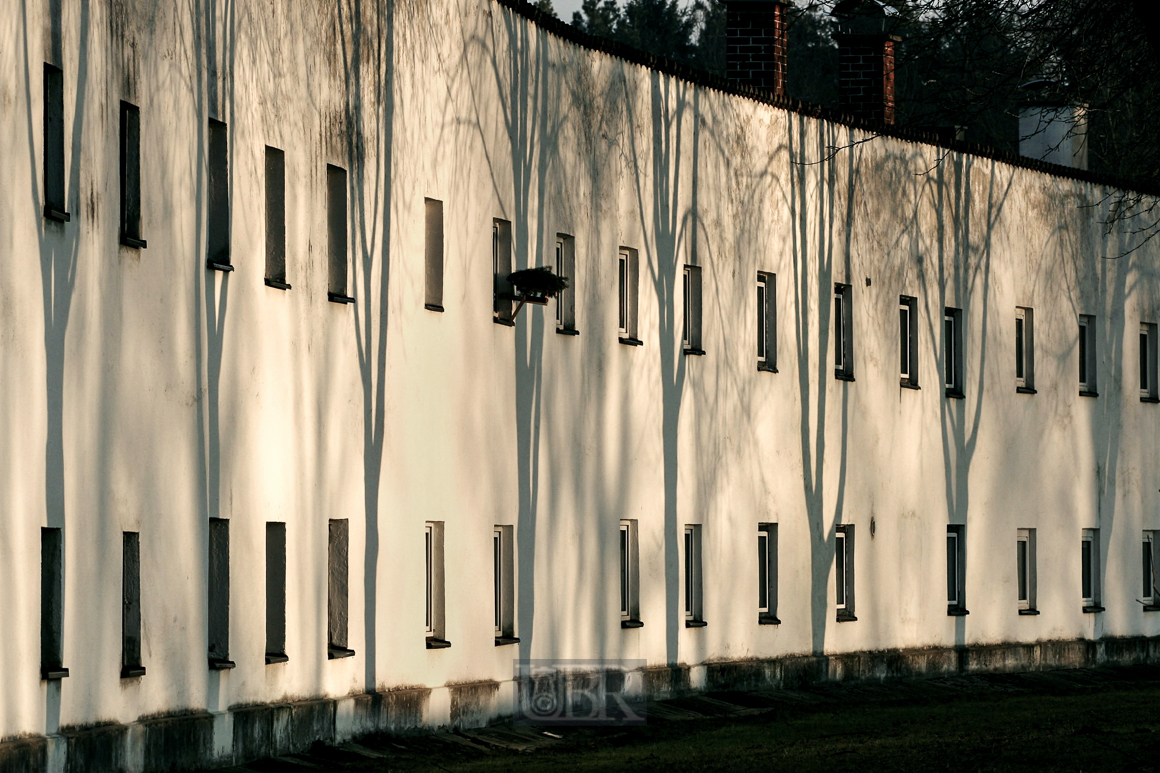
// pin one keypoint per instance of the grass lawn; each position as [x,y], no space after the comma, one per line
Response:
[1091,720]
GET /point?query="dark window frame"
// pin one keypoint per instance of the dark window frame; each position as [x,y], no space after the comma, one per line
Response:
[218,213]
[338,589]
[956,570]
[131,666]
[843,332]
[1088,351]
[276,593]
[628,296]
[1025,350]
[53,158]
[691,282]
[433,255]
[566,299]
[218,596]
[844,572]
[908,341]
[130,173]
[694,577]
[953,361]
[767,321]
[502,291]
[337,237]
[275,191]
[767,574]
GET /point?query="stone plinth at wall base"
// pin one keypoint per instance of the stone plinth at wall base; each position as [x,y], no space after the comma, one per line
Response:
[189,741]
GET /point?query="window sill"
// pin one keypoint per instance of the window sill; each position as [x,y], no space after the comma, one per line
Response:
[131,672]
[697,352]
[695,624]
[956,394]
[764,368]
[135,243]
[567,331]
[57,215]
[629,341]
[504,321]
[334,652]
[1029,611]
[502,641]
[433,307]
[437,644]
[1150,399]
[908,385]
[957,611]
[221,664]
[213,265]
[277,284]
[1092,608]
[54,672]
[764,618]
[1086,393]
[1025,391]
[338,298]
[1147,608]
[842,375]
[631,624]
[276,657]
[846,617]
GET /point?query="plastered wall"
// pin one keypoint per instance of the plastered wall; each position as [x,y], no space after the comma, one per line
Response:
[142,392]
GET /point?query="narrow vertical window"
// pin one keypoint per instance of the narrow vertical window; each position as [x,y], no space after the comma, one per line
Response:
[338,582]
[131,606]
[276,219]
[766,322]
[219,594]
[626,273]
[691,282]
[1148,393]
[52,604]
[433,568]
[566,298]
[844,572]
[694,590]
[1087,356]
[336,245]
[629,576]
[276,593]
[217,223]
[1024,350]
[767,574]
[503,575]
[956,571]
[1090,570]
[433,255]
[54,194]
[501,266]
[843,333]
[131,176]
[1151,591]
[953,352]
[1025,568]
[908,341]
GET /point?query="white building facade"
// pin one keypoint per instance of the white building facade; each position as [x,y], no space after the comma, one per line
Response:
[268,430]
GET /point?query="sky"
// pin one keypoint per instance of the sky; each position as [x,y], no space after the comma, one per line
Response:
[564,8]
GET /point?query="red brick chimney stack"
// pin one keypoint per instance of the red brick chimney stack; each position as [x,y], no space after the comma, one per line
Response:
[755,45]
[866,59]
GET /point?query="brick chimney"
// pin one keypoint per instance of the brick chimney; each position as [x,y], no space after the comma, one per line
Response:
[755,43]
[866,59]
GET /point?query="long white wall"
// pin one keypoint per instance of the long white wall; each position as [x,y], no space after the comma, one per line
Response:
[142,392]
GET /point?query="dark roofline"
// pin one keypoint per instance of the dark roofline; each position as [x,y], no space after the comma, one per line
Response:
[697,77]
